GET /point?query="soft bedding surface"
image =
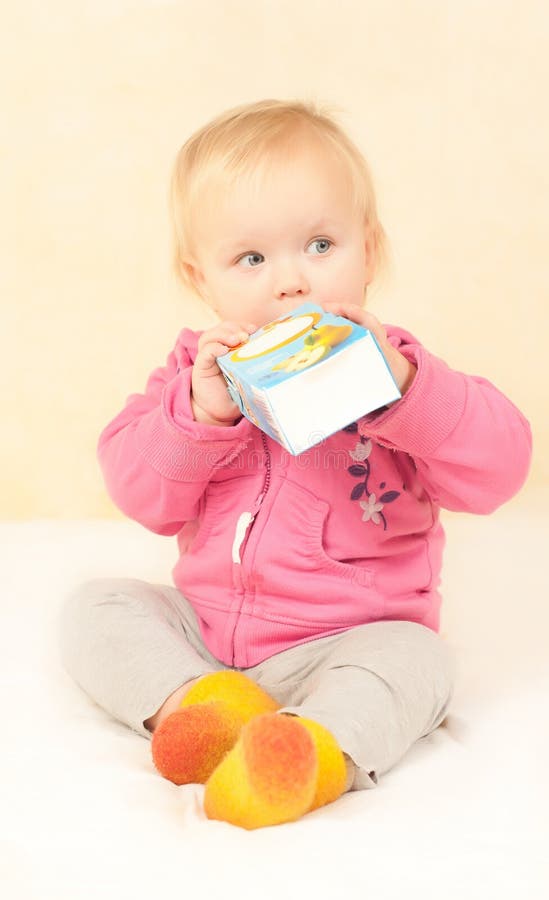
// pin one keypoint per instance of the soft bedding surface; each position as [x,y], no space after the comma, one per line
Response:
[85,815]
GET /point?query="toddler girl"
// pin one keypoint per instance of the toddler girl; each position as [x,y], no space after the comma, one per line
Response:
[298,654]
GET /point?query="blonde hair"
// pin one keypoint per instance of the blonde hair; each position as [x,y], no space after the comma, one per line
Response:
[242,143]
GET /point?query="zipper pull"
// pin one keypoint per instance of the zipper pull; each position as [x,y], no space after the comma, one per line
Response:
[244,520]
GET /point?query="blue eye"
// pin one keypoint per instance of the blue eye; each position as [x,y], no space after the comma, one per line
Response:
[324,245]
[256,258]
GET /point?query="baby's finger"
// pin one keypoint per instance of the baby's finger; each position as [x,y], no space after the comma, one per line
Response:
[230,333]
[207,356]
[357,314]
[350,310]
[374,325]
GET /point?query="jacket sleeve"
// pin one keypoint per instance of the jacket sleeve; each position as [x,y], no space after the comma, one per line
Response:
[155,458]
[471,446]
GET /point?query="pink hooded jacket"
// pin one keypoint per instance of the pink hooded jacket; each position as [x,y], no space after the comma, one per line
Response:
[276,550]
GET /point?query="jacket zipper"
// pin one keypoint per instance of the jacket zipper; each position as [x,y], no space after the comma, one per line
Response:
[246,518]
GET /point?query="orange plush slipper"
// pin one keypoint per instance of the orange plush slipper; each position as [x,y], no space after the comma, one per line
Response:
[192,741]
[269,777]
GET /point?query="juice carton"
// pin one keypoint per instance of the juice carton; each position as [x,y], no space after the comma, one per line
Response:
[307,375]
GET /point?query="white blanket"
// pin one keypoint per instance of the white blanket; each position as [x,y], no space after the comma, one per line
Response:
[85,815]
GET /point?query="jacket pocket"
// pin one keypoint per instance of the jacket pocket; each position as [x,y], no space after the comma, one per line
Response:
[303,580]
[316,511]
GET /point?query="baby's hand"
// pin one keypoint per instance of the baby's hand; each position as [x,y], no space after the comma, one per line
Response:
[403,370]
[210,399]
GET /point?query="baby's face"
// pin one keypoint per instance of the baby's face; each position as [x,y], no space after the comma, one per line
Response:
[261,254]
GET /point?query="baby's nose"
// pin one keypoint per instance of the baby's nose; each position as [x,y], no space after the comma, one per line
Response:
[291,284]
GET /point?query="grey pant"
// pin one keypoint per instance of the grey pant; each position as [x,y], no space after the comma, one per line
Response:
[377,687]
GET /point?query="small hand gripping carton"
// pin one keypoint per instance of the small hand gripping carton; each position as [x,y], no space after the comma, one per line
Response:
[307,375]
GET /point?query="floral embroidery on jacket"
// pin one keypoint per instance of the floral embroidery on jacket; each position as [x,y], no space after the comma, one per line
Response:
[372,506]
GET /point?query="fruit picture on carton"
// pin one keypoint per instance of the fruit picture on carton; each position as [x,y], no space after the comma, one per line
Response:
[318,341]
[316,346]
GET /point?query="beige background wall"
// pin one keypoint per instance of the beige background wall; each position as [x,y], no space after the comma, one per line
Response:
[447,99]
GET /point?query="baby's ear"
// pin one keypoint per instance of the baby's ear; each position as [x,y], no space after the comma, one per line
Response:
[196,280]
[194,276]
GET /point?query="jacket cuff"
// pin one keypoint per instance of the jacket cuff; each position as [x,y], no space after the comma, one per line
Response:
[427,413]
[178,446]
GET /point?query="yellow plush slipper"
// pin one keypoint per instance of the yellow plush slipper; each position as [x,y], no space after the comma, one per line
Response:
[192,741]
[281,768]
[332,771]
[243,695]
